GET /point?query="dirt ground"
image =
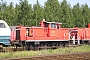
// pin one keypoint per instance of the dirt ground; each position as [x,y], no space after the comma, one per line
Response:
[74,56]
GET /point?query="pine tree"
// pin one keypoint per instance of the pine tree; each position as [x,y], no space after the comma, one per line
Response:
[37,13]
[28,15]
[85,15]
[77,12]
[23,12]
[66,14]
[10,14]
[52,10]
[2,9]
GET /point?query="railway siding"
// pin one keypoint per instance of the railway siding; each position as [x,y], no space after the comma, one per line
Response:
[74,56]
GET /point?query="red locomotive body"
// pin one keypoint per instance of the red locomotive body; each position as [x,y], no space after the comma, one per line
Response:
[48,31]
[87,34]
[81,34]
[49,34]
[13,33]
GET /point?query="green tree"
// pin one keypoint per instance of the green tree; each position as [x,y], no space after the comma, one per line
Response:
[66,14]
[85,15]
[52,10]
[2,9]
[29,15]
[9,14]
[77,12]
[37,13]
[23,12]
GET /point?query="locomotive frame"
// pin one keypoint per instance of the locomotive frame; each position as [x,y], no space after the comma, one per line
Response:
[49,35]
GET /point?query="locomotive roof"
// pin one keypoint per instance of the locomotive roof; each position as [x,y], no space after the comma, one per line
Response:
[53,22]
[12,26]
[2,21]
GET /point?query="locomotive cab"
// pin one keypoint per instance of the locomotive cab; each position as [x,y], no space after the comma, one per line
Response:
[4,33]
[50,24]
[51,28]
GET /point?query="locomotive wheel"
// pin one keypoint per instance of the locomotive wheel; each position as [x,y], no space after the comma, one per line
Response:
[27,46]
[36,47]
[89,42]
[31,47]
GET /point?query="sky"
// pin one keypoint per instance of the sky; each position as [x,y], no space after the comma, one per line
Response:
[72,2]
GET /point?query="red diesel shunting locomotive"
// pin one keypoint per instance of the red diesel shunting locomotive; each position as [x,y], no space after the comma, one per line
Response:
[49,34]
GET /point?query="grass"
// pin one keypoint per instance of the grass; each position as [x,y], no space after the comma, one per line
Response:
[67,50]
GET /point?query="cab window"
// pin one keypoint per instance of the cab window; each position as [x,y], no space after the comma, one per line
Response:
[46,24]
[53,25]
[2,25]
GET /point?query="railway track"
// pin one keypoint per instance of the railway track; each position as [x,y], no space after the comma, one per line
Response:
[74,56]
[12,49]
